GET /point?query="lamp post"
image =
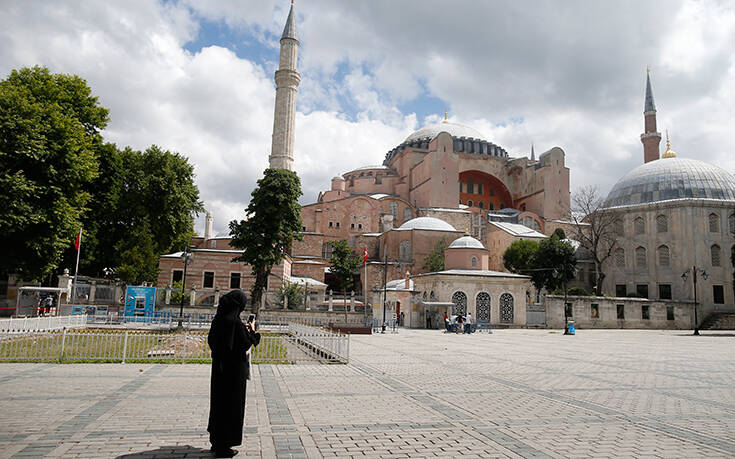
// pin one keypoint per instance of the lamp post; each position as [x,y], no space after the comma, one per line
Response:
[685,275]
[186,257]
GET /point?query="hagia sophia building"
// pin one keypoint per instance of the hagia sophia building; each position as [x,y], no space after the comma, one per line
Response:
[448,182]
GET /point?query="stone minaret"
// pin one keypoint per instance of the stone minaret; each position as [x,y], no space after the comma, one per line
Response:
[650,138]
[208,223]
[287,82]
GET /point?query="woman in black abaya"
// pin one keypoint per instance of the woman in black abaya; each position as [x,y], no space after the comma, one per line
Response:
[229,338]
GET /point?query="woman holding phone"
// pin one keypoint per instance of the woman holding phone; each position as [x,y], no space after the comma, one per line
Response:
[230,339]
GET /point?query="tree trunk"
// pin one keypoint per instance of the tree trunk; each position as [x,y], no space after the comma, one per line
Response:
[600,278]
[261,279]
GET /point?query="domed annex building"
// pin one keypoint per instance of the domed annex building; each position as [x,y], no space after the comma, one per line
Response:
[676,215]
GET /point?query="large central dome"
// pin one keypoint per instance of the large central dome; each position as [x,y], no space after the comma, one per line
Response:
[455,130]
[672,178]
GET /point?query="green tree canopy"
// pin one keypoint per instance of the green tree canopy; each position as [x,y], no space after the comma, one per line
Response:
[555,261]
[520,258]
[273,222]
[434,261]
[49,132]
[344,264]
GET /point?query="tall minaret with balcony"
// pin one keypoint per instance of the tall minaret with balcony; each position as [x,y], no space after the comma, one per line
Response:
[287,82]
[650,138]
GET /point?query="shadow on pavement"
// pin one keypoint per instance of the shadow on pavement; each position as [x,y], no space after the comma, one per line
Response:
[710,335]
[171,452]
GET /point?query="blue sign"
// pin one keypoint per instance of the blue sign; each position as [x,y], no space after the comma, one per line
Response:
[140,301]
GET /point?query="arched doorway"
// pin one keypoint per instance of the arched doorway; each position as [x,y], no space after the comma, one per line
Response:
[460,304]
[482,303]
[506,308]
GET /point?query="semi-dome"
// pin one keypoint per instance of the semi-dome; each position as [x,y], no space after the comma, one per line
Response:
[672,178]
[466,242]
[427,223]
[453,129]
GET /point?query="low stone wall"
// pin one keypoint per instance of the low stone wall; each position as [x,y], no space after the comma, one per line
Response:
[607,313]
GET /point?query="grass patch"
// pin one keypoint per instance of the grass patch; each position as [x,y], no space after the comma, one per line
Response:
[114,346]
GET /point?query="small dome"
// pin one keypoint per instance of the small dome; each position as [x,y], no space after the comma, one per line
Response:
[427,223]
[338,178]
[453,129]
[672,178]
[466,242]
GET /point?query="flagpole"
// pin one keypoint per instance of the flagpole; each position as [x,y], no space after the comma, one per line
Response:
[76,268]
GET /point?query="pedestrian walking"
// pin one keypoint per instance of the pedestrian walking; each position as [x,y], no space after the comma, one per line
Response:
[468,323]
[230,340]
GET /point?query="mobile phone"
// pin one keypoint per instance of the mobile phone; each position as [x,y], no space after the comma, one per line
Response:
[251,318]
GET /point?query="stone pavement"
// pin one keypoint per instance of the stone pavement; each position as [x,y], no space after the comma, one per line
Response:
[419,393]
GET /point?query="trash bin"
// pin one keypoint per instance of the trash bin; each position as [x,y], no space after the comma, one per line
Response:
[569,329]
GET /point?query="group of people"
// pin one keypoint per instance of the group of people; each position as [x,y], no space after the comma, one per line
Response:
[458,323]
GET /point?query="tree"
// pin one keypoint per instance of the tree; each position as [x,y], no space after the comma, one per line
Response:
[520,258]
[146,199]
[273,221]
[434,261]
[49,131]
[344,264]
[555,261]
[594,228]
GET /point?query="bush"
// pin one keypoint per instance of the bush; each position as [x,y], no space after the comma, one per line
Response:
[578,291]
[294,293]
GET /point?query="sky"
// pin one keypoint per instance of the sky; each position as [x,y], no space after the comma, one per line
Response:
[196,77]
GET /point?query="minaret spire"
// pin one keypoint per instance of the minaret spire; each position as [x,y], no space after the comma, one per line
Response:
[650,138]
[287,82]
[533,155]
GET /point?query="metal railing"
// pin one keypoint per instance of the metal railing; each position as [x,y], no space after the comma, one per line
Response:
[33,324]
[300,344]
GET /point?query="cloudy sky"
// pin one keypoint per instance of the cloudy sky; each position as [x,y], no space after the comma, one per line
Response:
[196,76]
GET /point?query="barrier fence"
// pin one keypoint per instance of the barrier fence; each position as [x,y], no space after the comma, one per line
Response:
[301,344]
[32,324]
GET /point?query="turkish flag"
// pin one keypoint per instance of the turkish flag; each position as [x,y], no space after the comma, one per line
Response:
[78,242]
[365,256]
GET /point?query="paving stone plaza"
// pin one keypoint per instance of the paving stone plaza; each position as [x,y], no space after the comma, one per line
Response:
[419,393]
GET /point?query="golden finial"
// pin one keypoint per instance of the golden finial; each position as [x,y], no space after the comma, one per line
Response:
[668,153]
[445,116]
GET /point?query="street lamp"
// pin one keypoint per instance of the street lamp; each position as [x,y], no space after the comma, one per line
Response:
[186,257]
[685,275]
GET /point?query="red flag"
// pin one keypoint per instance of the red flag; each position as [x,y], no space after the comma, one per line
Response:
[78,242]
[365,256]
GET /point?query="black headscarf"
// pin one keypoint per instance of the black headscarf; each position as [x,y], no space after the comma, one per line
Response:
[226,319]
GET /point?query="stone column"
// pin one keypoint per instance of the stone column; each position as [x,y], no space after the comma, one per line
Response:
[330,301]
[216,297]
[193,297]
[92,291]
[167,296]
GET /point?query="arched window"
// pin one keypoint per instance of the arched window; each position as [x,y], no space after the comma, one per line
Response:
[663,256]
[405,251]
[327,249]
[714,223]
[393,209]
[640,257]
[482,307]
[506,308]
[618,228]
[424,297]
[620,258]
[481,205]
[432,297]
[492,206]
[460,303]
[639,226]
[406,214]
[731,223]
[474,261]
[469,203]
[662,224]
[715,255]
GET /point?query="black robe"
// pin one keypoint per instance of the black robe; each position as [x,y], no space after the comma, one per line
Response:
[229,340]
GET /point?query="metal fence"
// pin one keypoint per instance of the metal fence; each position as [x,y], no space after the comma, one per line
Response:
[301,344]
[33,324]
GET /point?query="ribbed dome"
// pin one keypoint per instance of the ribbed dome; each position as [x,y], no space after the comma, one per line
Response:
[672,178]
[466,242]
[427,223]
[455,130]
